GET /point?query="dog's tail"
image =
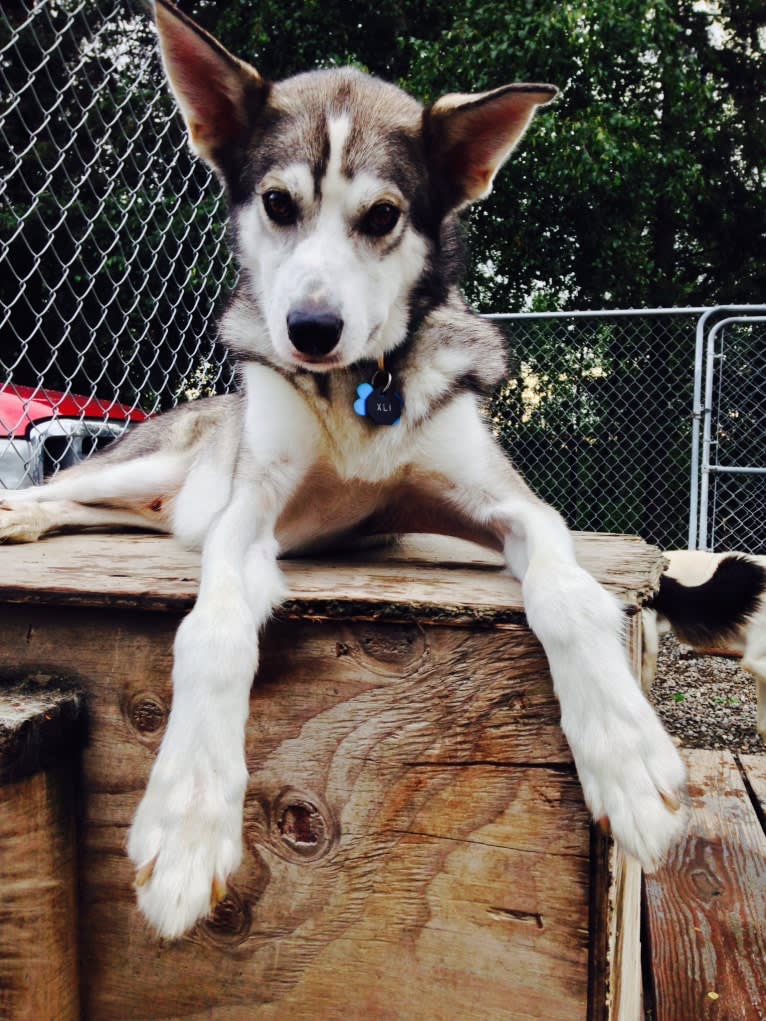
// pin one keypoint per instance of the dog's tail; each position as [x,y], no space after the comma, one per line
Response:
[702,615]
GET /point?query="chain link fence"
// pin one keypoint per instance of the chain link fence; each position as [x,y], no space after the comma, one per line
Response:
[112,238]
[112,260]
[596,414]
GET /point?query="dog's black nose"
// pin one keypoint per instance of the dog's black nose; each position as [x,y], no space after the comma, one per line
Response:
[312,332]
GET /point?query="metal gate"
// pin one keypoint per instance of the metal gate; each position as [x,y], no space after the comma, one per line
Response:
[728,491]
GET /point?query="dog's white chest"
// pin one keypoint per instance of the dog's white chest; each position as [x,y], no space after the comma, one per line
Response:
[356,448]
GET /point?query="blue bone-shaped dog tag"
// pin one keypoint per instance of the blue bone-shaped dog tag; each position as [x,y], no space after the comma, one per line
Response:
[379,404]
[363,391]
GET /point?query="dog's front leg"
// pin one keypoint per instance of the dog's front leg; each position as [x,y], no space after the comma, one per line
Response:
[186,838]
[631,773]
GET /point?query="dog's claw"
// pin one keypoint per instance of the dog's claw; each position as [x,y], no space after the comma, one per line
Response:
[670,801]
[604,825]
[144,874]
[217,892]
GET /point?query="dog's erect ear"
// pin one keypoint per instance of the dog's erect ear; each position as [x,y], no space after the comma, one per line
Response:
[218,94]
[473,135]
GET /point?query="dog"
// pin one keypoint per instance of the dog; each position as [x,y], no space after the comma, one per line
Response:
[363,377]
[711,601]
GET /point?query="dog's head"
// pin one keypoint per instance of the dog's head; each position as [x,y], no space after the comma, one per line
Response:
[342,189]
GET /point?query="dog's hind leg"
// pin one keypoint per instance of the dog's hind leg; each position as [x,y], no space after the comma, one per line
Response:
[754,661]
[97,481]
[760,707]
[97,494]
[27,522]
[137,480]
[650,647]
[631,773]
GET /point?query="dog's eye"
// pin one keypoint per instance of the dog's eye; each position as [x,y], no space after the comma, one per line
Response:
[279,207]
[380,219]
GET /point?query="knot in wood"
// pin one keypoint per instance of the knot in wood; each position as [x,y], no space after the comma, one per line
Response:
[302,827]
[393,644]
[230,922]
[147,714]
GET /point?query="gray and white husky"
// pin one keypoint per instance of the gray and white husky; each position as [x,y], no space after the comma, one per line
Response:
[363,376]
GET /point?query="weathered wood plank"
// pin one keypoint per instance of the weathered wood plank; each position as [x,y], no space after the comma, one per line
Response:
[707,907]
[754,768]
[453,695]
[445,579]
[447,862]
[415,839]
[39,724]
[625,980]
[38,921]
[435,899]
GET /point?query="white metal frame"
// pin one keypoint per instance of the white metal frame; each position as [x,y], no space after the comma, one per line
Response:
[703,463]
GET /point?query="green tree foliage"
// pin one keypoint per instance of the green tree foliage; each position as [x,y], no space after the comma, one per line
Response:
[285,37]
[643,185]
[640,186]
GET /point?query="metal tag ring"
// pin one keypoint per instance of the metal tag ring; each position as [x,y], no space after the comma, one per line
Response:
[374,382]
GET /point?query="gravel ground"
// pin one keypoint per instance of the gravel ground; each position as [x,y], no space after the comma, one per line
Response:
[705,701]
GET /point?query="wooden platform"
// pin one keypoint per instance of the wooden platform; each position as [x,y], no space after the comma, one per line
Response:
[416,846]
[706,909]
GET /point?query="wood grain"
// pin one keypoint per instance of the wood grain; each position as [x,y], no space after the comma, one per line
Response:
[439,902]
[38,920]
[754,770]
[448,841]
[416,845]
[624,992]
[424,577]
[40,725]
[707,907]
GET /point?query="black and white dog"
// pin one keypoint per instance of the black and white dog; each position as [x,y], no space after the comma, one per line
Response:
[711,601]
[362,377]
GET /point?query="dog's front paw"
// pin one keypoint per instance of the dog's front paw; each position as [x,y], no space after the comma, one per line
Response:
[634,782]
[186,839]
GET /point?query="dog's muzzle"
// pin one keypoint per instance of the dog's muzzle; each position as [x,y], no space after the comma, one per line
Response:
[314,332]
